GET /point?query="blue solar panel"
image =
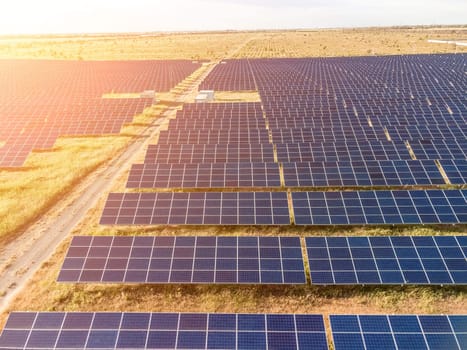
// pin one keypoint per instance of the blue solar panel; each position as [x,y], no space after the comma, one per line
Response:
[200,208]
[380,332]
[387,260]
[210,136]
[380,207]
[197,259]
[163,331]
[210,153]
[351,150]
[213,175]
[363,173]
[456,170]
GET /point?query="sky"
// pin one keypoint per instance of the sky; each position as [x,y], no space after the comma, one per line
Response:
[105,16]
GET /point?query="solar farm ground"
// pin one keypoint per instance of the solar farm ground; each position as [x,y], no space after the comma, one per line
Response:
[47,176]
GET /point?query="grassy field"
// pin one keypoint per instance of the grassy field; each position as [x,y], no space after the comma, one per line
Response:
[311,43]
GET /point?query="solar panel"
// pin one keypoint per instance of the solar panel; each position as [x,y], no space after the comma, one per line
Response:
[381,332]
[100,330]
[341,151]
[456,170]
[380,207]
[388,260]
[214,175]
[209,136]
[230,75]
[196,208]
[363,173]
[210,153]
[440,149]
[198,259]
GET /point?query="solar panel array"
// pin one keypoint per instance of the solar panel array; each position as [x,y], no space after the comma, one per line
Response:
[380,207]
[196,208]
[271,208]
[388,260]
[100,330]
[337,122]
[384,332]
[116,330]
[43,100]
[199,259]
[365,173]
[230,75]
[435,260]
[204,175]
[209,153]
[377,107]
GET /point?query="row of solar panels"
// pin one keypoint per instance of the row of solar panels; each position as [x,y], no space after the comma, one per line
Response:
[306,151]
[196,331]
[272,208]
[435,260]
[242,133]
[306,174]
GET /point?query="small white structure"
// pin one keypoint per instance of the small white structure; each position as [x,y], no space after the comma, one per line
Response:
[205,96]
[148,94]
[452,42]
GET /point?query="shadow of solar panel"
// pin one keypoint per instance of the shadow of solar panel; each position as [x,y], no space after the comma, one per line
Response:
[398,331]
[165,331]
[387,260]
[198,260]
[197,208]
[380,207]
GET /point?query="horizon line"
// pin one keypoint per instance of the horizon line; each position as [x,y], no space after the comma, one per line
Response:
[195,31]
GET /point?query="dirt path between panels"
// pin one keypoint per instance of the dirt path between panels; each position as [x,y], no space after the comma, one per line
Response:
[20,259]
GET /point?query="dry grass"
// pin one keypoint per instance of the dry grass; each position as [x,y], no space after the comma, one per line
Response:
[27,193]
[312,43]
[350,42]
[236,96]
[124,47]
